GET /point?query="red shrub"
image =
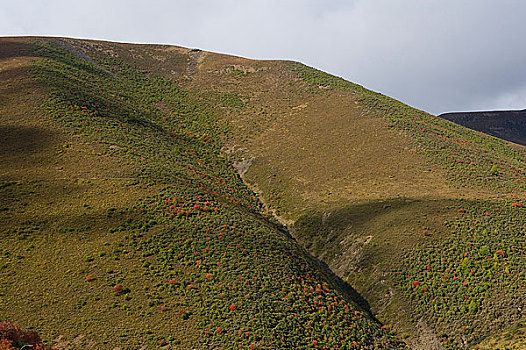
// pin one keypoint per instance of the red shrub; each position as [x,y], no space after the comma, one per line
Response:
[13,337]
[118,288]
[5,344]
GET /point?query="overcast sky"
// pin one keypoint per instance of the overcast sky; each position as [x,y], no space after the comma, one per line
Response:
[436,55]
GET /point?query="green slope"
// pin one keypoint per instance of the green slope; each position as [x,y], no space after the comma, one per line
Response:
[470,157]
[139,148]
[168,247]
[457,263]
[418,254]
[368,184]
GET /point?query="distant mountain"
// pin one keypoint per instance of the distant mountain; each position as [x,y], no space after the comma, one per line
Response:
[507,125]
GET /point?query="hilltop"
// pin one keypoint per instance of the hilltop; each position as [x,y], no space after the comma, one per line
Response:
[181,175]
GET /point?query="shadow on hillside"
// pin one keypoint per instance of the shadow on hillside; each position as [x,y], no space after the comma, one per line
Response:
[323,267]
[394,214]
[347,288]
[356,238]
[360,214]
[15,48]
[25,217]
[17,142]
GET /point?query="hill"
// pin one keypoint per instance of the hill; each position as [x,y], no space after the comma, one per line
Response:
[124,225]
[118,172]
[507,125]
[376,189]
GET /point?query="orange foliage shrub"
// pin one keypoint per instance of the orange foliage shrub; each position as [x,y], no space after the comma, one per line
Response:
[13,337]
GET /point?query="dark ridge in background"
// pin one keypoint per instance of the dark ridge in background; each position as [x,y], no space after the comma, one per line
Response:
[507,125]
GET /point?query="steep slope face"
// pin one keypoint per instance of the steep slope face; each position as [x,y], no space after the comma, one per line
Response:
[507,125]
[422,217]
[513,338]
[123,223]
[378,190]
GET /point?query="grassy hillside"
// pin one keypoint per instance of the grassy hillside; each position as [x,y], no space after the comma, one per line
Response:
[374,188]
[435,259]
[128,181]
[512,338]
[124,224]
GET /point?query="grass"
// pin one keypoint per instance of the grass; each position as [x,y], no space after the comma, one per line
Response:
[199,262]
[370,186]
[510,338]
[459,314]
[366,181]
[468,156]
[470,283]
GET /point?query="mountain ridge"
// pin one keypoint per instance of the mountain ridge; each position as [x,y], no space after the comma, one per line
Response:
[508,125]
